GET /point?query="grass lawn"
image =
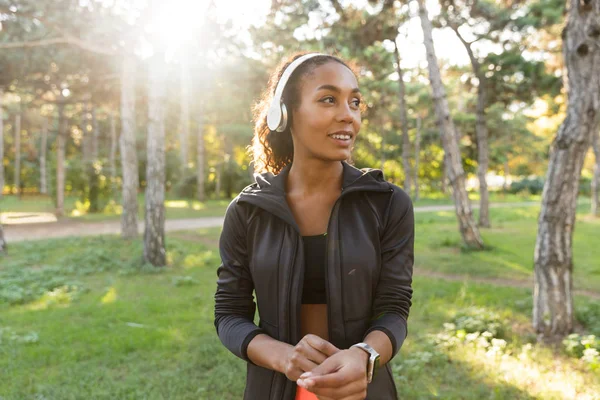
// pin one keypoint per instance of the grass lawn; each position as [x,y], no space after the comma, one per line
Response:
[82,319]
[511,242]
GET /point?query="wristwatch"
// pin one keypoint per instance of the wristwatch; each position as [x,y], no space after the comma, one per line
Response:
[373,362]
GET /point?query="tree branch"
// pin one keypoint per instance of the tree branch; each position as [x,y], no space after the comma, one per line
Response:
[65,38]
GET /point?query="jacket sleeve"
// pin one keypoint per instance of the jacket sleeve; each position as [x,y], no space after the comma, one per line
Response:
[234,304]
[393,293]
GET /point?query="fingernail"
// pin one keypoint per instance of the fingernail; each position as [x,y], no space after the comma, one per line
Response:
[305,375]
[300,383]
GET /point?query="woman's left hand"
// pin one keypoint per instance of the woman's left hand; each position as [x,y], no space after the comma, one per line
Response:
[343,376]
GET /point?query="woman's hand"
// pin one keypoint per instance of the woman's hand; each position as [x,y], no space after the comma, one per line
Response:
[342,376]
[309,353]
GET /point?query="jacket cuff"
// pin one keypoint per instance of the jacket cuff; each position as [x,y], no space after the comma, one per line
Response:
[235,333]
[394,327]
[246,342]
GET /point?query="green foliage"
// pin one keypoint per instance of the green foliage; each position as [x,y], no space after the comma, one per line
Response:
[55,269]
[586,347]
[532,186]
[589,317]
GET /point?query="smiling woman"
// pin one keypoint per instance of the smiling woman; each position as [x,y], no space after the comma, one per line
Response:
[326,248]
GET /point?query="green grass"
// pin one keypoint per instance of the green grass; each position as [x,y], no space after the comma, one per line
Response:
[510,241]
[175,208]
[119,329]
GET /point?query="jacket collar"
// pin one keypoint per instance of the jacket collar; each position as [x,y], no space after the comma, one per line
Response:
[268,192]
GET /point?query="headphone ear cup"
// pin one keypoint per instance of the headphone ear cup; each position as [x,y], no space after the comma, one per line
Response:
[284,118]
[274,117]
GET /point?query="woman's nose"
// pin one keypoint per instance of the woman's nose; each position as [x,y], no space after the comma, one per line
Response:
[345,113]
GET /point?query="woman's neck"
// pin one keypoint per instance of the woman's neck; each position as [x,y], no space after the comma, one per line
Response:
[314,176]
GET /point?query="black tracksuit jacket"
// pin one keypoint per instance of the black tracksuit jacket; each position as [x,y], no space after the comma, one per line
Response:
[370,255]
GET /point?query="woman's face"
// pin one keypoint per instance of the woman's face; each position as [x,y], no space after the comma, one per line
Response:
[327,121]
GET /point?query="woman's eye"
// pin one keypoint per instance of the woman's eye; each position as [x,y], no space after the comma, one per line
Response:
[356,102]
[328,99]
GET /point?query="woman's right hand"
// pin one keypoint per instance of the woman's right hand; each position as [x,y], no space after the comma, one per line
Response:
[310,352]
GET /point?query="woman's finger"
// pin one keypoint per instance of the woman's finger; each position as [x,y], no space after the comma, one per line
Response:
[301,362]
[312,354]
[321,345]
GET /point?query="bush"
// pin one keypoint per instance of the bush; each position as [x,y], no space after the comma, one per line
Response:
[528,185]
[587,348]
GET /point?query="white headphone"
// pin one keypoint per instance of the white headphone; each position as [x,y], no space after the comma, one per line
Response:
[277,117]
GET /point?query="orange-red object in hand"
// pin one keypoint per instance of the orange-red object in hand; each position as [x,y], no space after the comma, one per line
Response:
[303,394]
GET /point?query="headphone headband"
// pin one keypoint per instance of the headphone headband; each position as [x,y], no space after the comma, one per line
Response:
[277,115]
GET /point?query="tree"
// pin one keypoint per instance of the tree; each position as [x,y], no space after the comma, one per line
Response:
[17,133]
[184,118]
[553,298]
[43,153]
[452,158]
[154,233]
[2,241]
[129,159]
[403,121]
[596,177]
[61,139]
[112,157]
[1,142]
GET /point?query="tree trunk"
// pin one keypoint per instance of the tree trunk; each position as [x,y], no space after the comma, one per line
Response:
[382,153]
[2,240]
[17,180]
[184,121]
[482,155]
[200,163]
[481,132]
[43,152]
[218,179]
[417,155]
[403,122]
[112,158]
[129,159]
[61,140]
[506,174]
[596,177]
[93,178]
[553,258]
[454,169]
[154,234]
[444,188]
[482,135]
[1,143]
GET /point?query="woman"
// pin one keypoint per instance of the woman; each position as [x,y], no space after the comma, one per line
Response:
[327,248]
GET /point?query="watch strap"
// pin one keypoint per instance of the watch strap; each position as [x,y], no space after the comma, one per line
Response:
[373,361]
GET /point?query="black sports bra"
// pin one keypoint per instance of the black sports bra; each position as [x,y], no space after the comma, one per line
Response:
[314,271]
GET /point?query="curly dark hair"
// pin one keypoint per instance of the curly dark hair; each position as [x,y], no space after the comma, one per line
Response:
[271,151]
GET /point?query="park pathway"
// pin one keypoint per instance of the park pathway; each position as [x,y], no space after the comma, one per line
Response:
[71,227]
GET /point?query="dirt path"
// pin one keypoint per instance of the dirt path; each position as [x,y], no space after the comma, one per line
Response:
[19,233]
[66,228]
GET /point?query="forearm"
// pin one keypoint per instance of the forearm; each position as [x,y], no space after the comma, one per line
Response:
[269,353]
[382,345]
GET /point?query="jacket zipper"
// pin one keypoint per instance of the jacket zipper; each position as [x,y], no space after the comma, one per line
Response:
[327,290]
[301,284]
